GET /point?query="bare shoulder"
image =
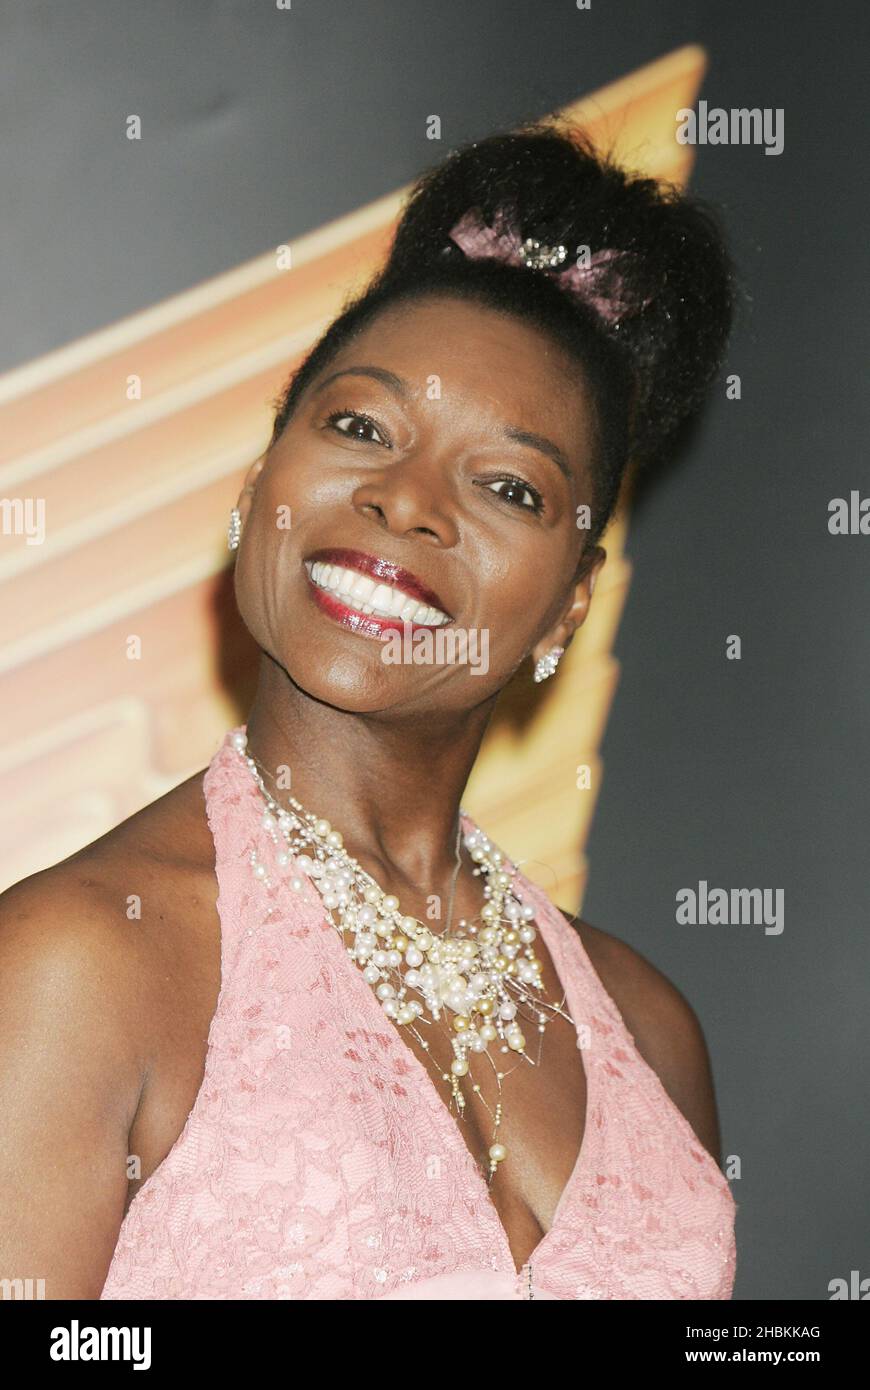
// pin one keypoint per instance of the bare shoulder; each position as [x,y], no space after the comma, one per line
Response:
[66,973]
[665,1027]
[72,1065]
[92,931]
[100,940]
[105,982]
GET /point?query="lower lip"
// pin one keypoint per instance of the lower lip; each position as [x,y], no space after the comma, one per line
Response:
[366,624]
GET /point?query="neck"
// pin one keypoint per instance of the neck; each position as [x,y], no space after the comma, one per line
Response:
[391,783]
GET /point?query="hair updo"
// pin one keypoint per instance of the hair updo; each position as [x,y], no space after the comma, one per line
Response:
[648,368]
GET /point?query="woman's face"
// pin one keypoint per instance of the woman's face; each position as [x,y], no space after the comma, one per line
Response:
[408,451]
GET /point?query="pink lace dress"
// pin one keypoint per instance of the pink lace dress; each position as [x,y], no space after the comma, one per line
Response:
[319,1160]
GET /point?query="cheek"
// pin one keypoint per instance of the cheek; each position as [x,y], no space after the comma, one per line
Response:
[289,517]
[513,601]
[265,570]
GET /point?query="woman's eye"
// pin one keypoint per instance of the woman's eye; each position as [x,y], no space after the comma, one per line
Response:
[514,491]
[361,423]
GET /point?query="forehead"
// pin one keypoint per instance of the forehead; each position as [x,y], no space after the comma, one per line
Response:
[483,358]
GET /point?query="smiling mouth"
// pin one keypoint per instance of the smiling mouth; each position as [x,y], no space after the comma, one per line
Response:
[370,595]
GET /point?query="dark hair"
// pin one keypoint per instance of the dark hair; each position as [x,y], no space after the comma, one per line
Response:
[648,371]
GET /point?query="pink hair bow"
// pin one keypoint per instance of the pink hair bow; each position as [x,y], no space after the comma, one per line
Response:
[596,283]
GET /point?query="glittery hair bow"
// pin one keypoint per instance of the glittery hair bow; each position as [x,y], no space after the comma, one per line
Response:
[597,283]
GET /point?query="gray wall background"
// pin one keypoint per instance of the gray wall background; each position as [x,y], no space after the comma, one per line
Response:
[263,124]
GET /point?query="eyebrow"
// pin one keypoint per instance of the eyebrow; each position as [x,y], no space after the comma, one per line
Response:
[543,445]
[400,388]
[389,379]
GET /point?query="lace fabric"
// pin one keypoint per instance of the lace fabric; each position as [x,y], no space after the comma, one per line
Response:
[320,1162]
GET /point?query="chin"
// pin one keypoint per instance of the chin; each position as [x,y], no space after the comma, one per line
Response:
[347,683]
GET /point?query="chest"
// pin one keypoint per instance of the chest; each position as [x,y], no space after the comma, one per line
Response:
[319,1025]
[317,1142]
[533,1104]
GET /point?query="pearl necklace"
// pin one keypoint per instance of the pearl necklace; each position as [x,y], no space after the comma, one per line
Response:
[472,974]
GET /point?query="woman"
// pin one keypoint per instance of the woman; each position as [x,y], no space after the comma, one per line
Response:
[346,1050]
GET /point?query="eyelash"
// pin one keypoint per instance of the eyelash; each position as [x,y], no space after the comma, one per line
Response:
[537,506]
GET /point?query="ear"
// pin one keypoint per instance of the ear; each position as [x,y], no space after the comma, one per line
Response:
[575,614]
[246,496]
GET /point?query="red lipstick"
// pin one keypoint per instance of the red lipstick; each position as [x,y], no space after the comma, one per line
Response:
[385,570]
[370,624]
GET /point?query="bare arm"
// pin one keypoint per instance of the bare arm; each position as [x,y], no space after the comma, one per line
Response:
[70,1077]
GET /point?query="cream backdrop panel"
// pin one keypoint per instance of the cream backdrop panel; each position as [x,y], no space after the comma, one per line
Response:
[137,495]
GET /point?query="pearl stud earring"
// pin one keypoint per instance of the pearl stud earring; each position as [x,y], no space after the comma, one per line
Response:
[547,664]
[234,530]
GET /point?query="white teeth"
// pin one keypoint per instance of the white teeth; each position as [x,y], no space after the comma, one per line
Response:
[369,596]
[363,588]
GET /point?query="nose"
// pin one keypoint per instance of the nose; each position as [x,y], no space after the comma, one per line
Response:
[410,498]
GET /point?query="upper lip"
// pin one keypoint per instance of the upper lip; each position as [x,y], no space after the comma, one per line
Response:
[385,570]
